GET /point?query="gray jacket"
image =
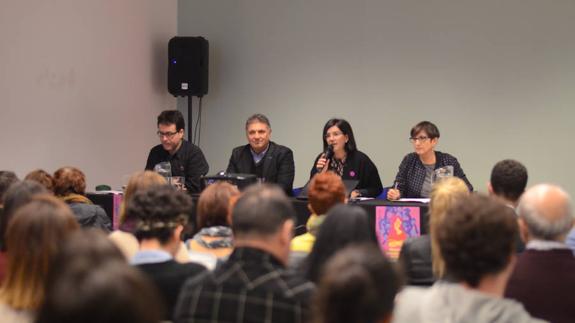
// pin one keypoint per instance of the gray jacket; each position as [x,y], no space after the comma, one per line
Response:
[452,303]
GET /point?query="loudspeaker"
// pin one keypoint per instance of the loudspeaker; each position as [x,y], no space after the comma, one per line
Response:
[188,66]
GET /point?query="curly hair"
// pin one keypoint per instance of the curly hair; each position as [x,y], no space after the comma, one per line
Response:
[325,191]
[159,210]
[508,179]
[478,239]
[138,181]
[69,180]
[214,204]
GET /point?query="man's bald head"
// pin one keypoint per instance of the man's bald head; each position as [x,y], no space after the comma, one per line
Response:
[546,209]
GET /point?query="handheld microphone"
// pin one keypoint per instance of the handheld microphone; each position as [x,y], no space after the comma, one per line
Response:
[329,152]
[328,155]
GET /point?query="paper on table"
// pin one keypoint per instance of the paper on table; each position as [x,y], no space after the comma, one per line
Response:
[420,200]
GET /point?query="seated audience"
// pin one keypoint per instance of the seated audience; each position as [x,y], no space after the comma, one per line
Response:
[124,237]
[34,236]
[7,178]
[107,285]
[476,242]
[214,239]
[70,186]
[507,183]
[544,279]
[42,177]
[358,285]
[19,194]
[419,256]
[343,225]
[253,285]
[325,191]
[162,213]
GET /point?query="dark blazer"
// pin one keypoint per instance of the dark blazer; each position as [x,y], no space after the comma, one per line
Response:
[415,258]
[411,174]
[278,164]
[544,281]
[169,277]
[359,167]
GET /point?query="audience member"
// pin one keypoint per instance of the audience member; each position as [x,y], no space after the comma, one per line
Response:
[477,246]
[214,239]
[543,279]
[420,256]
[7,178]
[18,195]
[124,237]
[70,186]
[358,285]
[508,181]
[162,213]
[343,225]
[33,238]
[185,158]
[325,191]
[253,285]
[42,177]
[90,282]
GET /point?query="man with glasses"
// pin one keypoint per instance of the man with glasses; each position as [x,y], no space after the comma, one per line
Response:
[185,158]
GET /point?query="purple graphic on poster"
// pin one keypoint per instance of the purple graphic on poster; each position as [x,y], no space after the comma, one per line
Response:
[394,224]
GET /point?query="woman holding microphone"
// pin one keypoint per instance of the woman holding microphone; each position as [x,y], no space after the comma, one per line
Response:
[414,178]
[342,157]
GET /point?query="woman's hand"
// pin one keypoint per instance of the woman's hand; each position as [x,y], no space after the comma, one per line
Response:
[393,194]
[321,164]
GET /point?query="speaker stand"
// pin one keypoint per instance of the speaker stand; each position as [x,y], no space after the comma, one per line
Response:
[190,118]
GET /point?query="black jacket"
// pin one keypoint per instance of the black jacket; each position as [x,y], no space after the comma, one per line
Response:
[359,167]
[278,164]
[411,174]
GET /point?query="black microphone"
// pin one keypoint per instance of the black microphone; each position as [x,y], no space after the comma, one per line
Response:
[328,155]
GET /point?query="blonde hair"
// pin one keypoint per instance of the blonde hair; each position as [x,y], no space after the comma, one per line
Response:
[443,195]
[139,181]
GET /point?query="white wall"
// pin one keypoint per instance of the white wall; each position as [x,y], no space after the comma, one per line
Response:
[81,83]
[495,76]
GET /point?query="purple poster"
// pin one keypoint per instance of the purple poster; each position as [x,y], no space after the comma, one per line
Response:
[394,224]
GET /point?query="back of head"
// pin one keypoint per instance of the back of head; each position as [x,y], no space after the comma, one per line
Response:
[69,180]
[358,285]
[343,225]
[110,292]
[34,237]
[547,211]
[159,211]
[7,178]
[477,239]
[508,179]
[261,211]
[43,177]
[213,204]
[444,194]
[18,195]
[325,190]
[172,117]
[137,182]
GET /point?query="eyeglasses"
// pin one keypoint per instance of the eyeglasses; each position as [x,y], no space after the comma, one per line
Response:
[333,134]
[416,139]
[168,135]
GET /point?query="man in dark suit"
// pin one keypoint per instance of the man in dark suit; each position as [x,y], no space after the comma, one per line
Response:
[267,160]
[543,279]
